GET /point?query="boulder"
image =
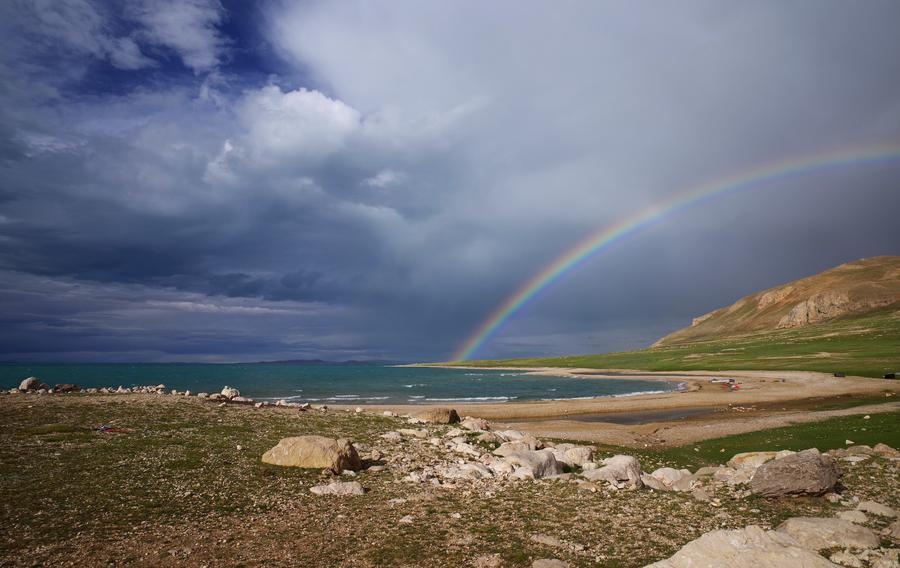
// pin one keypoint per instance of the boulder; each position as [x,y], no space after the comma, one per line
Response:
[572,455]
[617,469]
[339,488]
[750,546]
[670,476]
[230,392]
[804,473]
[67,387]
[534,465]
[314,452]
[819,533]
[438,415]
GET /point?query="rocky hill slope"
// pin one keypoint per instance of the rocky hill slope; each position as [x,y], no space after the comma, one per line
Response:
[850,289]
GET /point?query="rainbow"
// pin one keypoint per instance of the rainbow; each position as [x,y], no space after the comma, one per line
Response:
[604,238]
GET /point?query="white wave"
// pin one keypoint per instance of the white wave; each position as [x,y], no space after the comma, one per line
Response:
[417,396]
[414,385]
[635,393]
[619,395]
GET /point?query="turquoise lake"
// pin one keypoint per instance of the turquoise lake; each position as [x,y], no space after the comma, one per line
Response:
[348,384]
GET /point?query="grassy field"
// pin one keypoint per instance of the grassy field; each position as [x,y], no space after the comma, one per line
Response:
[867,346]
[184,485]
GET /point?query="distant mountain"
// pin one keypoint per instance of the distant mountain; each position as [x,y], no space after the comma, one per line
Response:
[323,362]
[852,289]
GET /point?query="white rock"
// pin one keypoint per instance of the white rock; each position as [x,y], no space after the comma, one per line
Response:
[29,384]
[339,488]
[617,468]
[857,517]
[534,464]
[511,434]
[742,548]
[229,392]
[815,533]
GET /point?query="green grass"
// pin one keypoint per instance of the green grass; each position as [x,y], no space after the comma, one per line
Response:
[867,346]
[832,433]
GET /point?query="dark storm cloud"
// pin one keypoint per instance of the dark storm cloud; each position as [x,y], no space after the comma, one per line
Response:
[202,180]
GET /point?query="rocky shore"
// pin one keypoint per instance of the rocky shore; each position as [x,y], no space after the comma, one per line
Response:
[472,452]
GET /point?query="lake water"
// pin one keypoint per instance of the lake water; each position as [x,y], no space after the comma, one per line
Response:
[337,384]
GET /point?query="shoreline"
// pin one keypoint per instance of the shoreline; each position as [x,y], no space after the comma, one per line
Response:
[761,401]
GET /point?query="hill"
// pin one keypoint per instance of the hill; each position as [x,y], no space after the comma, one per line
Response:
[855,288]
[846,319]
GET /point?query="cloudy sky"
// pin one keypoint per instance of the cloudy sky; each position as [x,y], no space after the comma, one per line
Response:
[190,180]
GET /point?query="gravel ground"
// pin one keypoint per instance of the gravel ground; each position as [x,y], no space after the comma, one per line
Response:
[184,485]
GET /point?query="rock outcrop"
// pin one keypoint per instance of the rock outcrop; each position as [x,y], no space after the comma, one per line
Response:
[314,452]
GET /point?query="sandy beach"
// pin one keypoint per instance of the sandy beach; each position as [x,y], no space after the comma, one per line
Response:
[700,411]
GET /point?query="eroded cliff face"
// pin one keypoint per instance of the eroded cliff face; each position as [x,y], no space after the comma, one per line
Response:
[853,288]
[828,305]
